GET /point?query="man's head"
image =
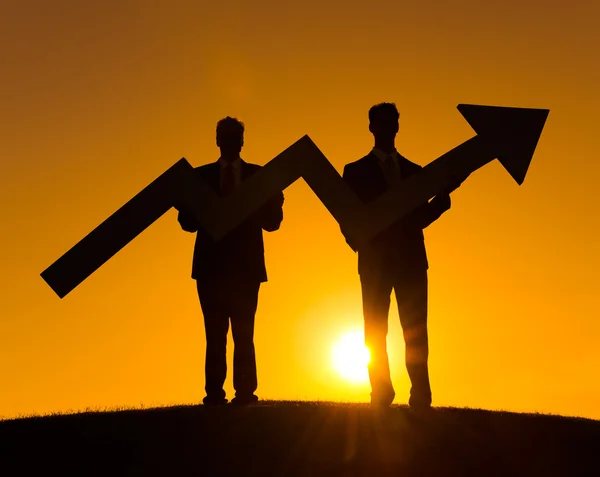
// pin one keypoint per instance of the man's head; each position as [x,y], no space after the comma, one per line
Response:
[230,136]
[384,121]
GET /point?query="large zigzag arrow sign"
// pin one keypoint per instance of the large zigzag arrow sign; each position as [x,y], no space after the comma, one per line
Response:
[508,134]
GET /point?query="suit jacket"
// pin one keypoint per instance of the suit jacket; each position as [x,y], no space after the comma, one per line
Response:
[240,254]
[401,246]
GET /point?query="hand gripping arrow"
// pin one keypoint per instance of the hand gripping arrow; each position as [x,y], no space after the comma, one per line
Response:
[509,134]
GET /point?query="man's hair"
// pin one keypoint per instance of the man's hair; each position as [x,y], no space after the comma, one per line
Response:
[230,124]
[389,108]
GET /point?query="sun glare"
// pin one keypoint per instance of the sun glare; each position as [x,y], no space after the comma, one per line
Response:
[350,357]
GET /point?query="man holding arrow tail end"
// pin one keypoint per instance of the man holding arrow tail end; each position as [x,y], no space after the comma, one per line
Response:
[229,272]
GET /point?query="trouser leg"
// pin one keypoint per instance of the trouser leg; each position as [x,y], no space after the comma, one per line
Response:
[412,295]
[243,314]
[376,293]
[216,325]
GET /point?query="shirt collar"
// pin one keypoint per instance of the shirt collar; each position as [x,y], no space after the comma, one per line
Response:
[236,163]
[382,156]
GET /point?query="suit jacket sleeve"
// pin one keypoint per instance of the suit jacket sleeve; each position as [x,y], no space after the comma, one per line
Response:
[352,181]
[423,216]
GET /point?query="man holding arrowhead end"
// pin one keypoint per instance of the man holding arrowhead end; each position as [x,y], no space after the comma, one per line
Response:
[229,272]
[395,259]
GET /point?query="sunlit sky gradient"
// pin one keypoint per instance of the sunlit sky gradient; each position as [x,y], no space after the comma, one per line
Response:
[99,98]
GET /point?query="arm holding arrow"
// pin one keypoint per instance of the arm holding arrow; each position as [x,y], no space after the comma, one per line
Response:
[353,180]
[190,224]
[429,212]
[186,220]
[421,217]
[271,214]
[185,217]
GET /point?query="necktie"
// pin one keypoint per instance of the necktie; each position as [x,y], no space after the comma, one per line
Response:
[392,173]
[228,181]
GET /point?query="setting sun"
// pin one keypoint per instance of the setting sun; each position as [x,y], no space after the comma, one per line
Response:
[350,357]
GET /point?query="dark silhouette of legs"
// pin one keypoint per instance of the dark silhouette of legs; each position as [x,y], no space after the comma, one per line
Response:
[376,291]
[411,295]
[222,300]
[243,311]
[216,325]
[410,287]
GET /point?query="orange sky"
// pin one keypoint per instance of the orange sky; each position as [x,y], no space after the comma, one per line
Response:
[98,100]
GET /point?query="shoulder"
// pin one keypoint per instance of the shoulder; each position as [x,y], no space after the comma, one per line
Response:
[408,164]
[360,164]
[207,171]
[251,166]
[207,167]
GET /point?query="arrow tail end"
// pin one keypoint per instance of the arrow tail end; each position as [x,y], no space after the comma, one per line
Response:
[56,287]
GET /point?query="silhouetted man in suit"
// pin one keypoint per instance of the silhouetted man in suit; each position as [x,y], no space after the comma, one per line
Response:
[229,272]
[395,259]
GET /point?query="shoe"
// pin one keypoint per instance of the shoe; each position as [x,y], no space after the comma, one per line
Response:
[380,404]
[420,397]
[420,404]
[213,401]
[244,400]
[382,401]
[423,414]
[421,409]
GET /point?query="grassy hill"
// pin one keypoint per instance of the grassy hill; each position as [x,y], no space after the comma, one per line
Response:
[300,439]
